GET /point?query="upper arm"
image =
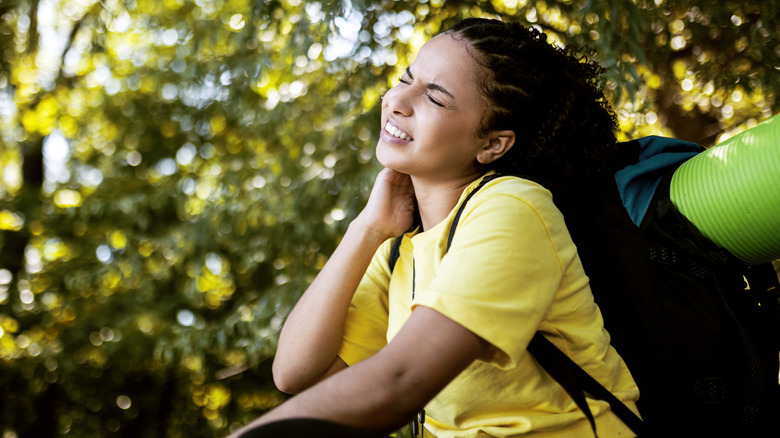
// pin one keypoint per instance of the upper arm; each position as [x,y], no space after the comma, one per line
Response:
[337,365]
[365,327]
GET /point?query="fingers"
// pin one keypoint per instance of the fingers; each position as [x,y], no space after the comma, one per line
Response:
[396,178]
[391,205]
[391,176]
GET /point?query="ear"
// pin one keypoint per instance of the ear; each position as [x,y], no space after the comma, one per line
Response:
[498,144]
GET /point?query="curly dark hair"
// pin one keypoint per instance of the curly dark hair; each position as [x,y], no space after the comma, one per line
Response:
[551,98]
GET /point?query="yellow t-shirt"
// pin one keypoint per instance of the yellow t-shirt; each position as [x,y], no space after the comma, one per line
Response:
[511,270]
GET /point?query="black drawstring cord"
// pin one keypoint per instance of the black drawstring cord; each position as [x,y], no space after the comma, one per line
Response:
[419,421]
[417,424]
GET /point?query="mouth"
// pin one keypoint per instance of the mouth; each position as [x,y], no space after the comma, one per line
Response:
[395,132]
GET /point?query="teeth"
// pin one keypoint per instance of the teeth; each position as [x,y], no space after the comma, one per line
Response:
[395,132]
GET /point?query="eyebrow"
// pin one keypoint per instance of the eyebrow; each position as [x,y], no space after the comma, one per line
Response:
[431,86]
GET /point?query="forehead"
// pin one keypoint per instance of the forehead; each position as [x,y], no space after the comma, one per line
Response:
[446,61]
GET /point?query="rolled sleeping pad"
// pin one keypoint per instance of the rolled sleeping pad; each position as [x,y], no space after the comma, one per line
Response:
[731,193]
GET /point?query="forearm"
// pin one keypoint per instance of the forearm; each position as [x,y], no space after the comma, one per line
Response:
[312,334]
[385,391]
[361,396]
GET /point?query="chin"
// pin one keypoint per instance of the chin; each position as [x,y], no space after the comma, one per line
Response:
[384,156]
[392,158]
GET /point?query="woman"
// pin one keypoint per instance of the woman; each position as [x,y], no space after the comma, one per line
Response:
[447,329]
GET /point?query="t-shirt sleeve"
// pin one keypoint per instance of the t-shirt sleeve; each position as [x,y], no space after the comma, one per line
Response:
[501,273]
[365,331]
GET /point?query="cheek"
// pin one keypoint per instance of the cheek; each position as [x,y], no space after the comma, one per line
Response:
[462,129]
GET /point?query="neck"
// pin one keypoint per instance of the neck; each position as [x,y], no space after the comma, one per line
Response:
[436,199]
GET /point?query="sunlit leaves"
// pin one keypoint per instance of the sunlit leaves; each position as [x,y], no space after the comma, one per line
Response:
[10,220]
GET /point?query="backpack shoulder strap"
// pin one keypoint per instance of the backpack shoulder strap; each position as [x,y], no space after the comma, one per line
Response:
[455,221]
[395,250]
[574,380]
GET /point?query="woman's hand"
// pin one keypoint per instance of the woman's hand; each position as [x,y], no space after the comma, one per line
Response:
[390,208]
[311,337]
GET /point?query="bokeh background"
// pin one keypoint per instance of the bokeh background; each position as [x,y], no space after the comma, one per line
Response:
[173,173]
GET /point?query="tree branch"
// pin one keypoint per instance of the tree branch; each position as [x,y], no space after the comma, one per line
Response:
[72,37]
[32,33]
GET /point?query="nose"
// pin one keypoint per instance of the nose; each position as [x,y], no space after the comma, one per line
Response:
[397,101]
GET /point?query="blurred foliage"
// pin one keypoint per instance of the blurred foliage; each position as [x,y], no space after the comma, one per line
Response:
[173,173]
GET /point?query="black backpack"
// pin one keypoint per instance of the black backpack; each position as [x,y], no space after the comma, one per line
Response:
[698,329]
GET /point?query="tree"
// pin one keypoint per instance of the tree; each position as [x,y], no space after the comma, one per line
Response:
[174,173]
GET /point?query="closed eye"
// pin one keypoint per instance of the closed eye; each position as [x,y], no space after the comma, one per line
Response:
[407,80]
[434,101]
